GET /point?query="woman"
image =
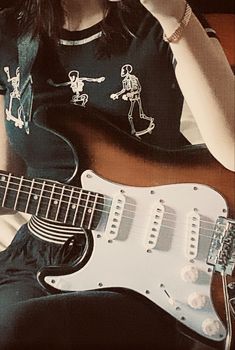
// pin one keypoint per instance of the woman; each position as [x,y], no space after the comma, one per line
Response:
[134,71]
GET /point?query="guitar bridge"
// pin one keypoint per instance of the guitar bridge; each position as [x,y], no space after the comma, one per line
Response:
[222,249]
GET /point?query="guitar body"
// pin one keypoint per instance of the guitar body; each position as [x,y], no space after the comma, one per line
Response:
[163,212]
[120,158]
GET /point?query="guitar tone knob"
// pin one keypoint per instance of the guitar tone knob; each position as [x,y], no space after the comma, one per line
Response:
[189,274]
[210,327]
[197,301]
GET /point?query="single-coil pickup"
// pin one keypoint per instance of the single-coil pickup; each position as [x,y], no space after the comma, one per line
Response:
[115,217]
[154,226]
[193,228]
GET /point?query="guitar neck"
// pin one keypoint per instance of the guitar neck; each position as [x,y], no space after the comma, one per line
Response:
[51,200]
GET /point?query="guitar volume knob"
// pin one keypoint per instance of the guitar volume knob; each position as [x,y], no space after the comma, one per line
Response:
[197,301]
[210,327]
[189,274]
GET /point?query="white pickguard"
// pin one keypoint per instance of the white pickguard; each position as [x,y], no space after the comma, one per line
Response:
[163,268]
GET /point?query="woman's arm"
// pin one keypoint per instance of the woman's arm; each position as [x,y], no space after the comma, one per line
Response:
[204,76]
[3,137]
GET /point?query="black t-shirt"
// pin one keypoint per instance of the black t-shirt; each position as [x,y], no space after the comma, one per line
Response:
[141,78]
[136,89]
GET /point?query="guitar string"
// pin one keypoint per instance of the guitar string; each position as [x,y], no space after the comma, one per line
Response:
[68,188]
[164,226]
[82,198]
[58,185]
[92,202]
[103,211]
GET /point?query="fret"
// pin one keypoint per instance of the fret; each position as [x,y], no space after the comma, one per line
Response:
[34,196]
[84,211]
[92,211]
[59,203]
[99,210]
[29,196]
[40,198]
[18,192]
[50,201]
[69,204]
[6,190]
[77,207]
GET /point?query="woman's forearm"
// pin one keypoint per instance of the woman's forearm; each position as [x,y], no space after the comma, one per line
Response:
[206,81]
[3,138]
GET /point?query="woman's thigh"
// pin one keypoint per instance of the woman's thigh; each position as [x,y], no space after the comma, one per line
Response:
[92,320]
[103,319]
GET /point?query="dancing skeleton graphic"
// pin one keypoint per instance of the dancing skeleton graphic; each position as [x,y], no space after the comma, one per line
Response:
[131,90]
[76,83]
[15,94]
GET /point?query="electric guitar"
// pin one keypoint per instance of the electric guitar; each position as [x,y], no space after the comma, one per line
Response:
[156,221]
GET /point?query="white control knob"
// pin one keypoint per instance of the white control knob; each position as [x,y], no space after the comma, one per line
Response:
[210,327]
[197,301]
[189,274]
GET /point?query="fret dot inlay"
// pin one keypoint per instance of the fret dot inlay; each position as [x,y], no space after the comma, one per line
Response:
[35,197]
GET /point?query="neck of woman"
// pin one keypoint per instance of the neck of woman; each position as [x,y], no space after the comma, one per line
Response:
[82,14]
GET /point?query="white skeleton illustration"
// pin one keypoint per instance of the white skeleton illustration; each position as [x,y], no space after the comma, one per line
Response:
[76,83]
[131,90]
[15,94]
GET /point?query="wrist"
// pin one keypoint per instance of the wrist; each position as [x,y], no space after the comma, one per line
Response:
[179,31]
[171,16]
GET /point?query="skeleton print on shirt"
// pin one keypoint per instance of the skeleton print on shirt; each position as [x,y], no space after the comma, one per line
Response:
[20,119]
[76,84]
[131,91]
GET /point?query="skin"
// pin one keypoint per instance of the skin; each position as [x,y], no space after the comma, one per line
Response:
[205,79]
[3,138]
[202,70]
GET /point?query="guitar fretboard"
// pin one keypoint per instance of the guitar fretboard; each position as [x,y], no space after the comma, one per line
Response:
[51,200]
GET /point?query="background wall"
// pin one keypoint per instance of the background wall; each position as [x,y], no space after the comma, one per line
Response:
[206,6]
[216,6]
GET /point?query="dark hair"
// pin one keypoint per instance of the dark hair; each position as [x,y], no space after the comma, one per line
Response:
[47,16]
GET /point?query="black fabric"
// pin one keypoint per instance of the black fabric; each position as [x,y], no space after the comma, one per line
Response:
[74,75]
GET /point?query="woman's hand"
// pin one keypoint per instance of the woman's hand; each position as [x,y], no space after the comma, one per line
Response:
[169,13]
